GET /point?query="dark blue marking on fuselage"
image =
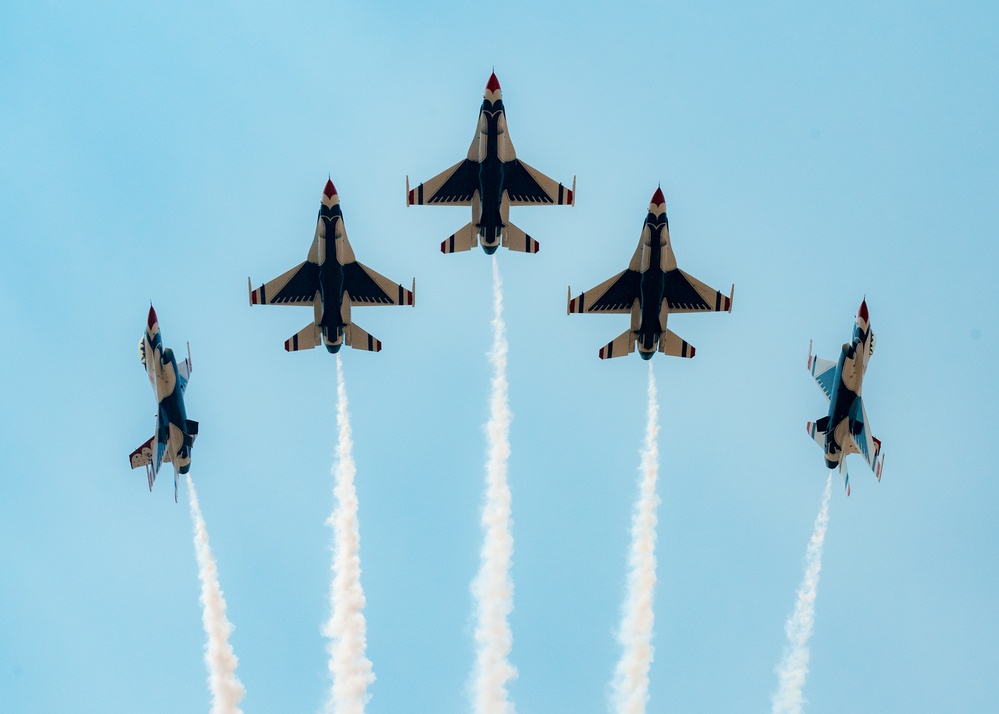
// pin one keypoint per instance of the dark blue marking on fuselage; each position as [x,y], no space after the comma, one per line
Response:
[652,289]
[842,402]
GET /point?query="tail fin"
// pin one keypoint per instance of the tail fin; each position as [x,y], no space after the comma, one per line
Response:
[623,344]
[357,338]
[671,344]
[310,336]
[465,239]
[515,239]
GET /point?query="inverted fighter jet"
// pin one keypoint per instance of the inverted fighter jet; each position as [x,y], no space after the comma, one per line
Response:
[331,281]
[175,433]
[649,290]
[845,429]
[490,180]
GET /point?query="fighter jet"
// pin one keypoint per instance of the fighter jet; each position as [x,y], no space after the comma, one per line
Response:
[175,433]
[649,290]
[490,180]
[331,281]
[845,429]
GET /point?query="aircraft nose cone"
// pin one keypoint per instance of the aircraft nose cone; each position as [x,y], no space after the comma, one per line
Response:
[657,198]
[493,84]
[330,190]
[151,319]
[862,312]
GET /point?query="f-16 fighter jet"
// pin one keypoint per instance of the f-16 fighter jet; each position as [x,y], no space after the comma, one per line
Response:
[175,433]
[490,180]
[331,281]
[845,429]
[650,289]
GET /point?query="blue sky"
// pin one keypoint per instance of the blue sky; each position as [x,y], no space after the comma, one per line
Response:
[810,155]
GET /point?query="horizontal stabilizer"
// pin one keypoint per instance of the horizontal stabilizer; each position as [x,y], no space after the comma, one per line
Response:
[623,344]
[515,239]
[465,239]
[143,456]
[357,338]
[192,429]
[310,336]
[816,433]
[671,344]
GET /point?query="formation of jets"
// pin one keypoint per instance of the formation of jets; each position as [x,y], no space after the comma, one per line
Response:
[491,179]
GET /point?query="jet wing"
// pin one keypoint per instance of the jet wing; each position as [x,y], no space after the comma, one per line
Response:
[296,287]
[526,186]
[866,445]
[453,187]
[685,293]
[824,372]
[617,294]
[366,287]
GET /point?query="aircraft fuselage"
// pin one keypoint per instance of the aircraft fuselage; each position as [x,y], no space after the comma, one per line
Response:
[844,418]
[172,426]
[653,286]
[489,221]
[331,277]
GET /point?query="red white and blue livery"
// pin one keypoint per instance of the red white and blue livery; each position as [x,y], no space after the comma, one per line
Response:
[174,433]
[650,290]
[490,179]
[331,281]
[845,429]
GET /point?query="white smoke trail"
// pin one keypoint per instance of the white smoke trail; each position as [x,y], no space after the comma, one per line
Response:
[227,690]
[631,677]
[793,668]
[492,587]
[349,666]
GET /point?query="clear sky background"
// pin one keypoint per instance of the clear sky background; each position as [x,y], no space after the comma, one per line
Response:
[811,154]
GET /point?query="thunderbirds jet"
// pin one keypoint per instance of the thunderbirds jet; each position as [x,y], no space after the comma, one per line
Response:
[331,281]
[845,429]
[650,289]
[175,433]
[490,180]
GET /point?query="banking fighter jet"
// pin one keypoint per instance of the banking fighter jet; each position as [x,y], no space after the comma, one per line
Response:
[331,281]
[174,434]
[649,290]
[844,429]
[490,179]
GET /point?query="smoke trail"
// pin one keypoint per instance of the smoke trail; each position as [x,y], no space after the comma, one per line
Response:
[348,665]
[631,677]
[492,587]
[793,668]
[227,690]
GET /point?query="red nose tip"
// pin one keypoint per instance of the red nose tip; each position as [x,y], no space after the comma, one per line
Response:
[493,84]
[862,312]
[151,320]
[657,198]
[330,190]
